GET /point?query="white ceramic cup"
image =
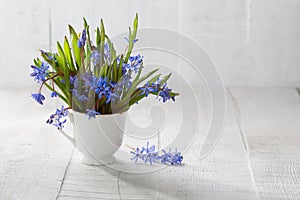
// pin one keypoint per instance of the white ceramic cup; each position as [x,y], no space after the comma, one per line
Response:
[97,138]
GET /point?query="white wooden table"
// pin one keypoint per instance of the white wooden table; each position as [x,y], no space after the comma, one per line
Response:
[257,157]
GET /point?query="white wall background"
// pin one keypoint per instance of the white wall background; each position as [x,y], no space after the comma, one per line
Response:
[253,42]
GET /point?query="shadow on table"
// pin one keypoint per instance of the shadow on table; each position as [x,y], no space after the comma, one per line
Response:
[179,182]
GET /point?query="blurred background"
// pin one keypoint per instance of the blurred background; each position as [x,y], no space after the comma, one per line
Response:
[254,43]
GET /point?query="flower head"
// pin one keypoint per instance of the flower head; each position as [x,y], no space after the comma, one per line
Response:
[38,97]
[90,81]
[95,57]
[156,84]
[172,158]
[149,155]
[103,88]
[81,41]
[75,91]
[40,73]
[53,94]
[106,52]
[49,56]
[137,155]
[72,80]
[126,81]
[92,113]
[58,118]
[146,89]
[133,41]
[135,62]
[164,93]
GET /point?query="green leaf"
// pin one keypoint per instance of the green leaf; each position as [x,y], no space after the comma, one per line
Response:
[135,83]
[87,28]
[36,63]
[85,23]
[111,47]
[65,68]
[102,42]
[154,78]
[132,36]
[143,78]
[59,95]
[98,37]
[120,69]
[76,50]
[50,62]
[68,54]
[103,70]
[165,78]
[139,73]
[114,71]
[60,62]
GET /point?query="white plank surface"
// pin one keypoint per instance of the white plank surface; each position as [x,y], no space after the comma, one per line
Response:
[223,175]
[33,156]
[270,122]
[257,156]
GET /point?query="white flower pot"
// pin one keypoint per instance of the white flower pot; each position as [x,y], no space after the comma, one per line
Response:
[97,138]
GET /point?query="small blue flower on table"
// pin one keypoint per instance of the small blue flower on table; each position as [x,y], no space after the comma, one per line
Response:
[149,155]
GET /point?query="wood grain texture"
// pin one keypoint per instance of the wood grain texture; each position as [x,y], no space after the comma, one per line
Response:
[257,156]
[238,35]
[223,175]
[269,120]
[33,156]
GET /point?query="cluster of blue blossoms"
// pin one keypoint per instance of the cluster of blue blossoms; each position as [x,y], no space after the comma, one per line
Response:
[149,155]
[94,80]
[163,90]
[40,73]
[58,119]
[99,85]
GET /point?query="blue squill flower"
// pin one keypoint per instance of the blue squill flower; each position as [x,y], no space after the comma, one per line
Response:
[124,66]
[72,79]
[91,113]
[164,93]
[126,81]
[133,41]
[147,89]
[176,158]
[40,73]
[149,155]
[75,91]
[112,97]
[90,81]
[95,57]
[53,94]
[58,118]
[166,158]
[46,54]
[171,158]
[136,155]
[156,84]
[106,52]
[135,63]
[103,88]
[81,40]
[81,97]
[38,97]
[62,112]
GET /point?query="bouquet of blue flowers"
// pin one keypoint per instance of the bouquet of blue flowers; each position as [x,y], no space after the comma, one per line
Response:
[91,78]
